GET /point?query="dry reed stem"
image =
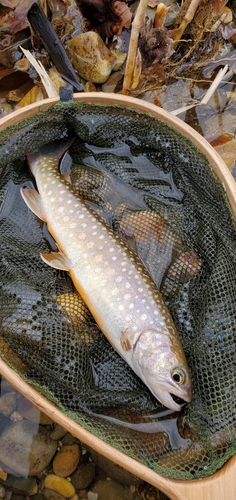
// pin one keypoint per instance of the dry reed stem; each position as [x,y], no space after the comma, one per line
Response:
[186,20]
[47,83]
[133,45]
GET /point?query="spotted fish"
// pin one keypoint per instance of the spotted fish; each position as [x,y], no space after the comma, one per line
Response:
[111,279]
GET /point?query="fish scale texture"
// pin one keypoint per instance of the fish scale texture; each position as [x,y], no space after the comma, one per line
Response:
[159,194]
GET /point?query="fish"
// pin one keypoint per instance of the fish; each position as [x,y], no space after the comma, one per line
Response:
[111,279]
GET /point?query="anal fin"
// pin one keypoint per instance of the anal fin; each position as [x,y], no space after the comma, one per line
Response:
[33,200]
[57,260]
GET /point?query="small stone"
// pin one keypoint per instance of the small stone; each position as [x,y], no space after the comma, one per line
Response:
[92,496]
[52,495]
[111,489]
[2,491]
[21,485]
[38,496]
[83,476]
[113,470]
[120,58]
[8,403]
[91,57]
[15,496]
[34,491]
[66,460]
[112,82]
[26,448]
[68,439]
[58,433]
[59,484]
[3,474]
[90,87]
[15,416]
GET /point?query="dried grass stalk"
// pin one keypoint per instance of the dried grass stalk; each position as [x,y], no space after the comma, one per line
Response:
[47,83]
[133,45]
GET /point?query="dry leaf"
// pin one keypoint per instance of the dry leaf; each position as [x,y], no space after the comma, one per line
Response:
[218,6]
[123,11]
[20,20]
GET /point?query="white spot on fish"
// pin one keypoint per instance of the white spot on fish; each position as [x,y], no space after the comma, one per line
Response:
[118,279]
[84,224]
[66,218]
[131,306]
[127,296]
[114,257]
[49,192]
[68,201]
[101,236]
[90,244]
[143,317]
[81,216]
[127,285]
[60,209]
[82,236]
[52,199]
[121,308]
[72,225]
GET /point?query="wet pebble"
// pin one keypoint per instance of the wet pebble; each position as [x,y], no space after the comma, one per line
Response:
[113,470]
[83,476]
[52,495]
[26,448]
[58,433]
[112,82]
[68,439]
[66,460]
[112,490]
[21,485]
[8,402]
[60,485]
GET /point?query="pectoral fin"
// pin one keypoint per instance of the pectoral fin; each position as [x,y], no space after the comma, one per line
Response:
[57,260]
[33,200]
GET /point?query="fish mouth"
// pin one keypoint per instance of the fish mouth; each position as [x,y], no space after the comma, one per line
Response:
[166,398]
[173,398]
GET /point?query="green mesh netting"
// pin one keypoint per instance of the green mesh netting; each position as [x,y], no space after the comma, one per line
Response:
[159,192]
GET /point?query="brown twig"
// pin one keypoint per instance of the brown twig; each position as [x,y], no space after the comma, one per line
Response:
[133,44]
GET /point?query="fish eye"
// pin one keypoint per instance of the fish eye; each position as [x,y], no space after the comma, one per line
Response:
[179,376]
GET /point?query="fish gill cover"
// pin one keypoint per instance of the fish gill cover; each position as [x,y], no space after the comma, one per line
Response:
[158,192]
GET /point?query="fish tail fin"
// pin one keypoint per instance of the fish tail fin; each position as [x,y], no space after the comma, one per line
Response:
[55,149]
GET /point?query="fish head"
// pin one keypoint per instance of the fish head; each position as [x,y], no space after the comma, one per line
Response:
[160,363]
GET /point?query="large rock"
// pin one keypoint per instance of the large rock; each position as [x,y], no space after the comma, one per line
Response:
[26,448]
[91,57]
